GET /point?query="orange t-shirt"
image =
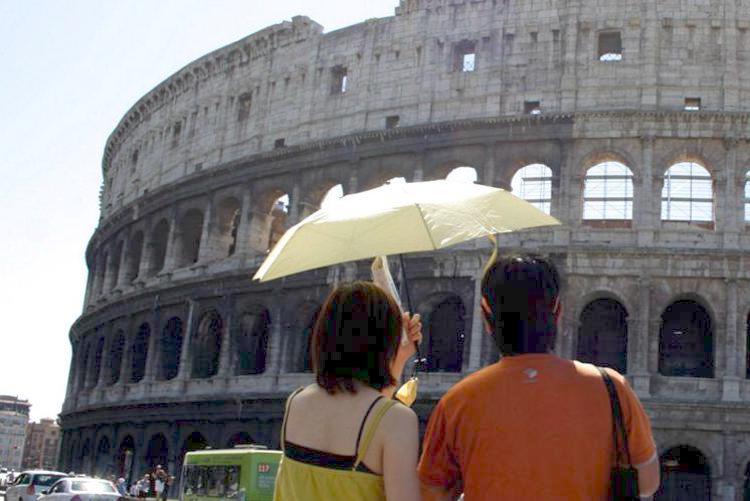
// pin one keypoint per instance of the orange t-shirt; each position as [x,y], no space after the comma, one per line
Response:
[531,427]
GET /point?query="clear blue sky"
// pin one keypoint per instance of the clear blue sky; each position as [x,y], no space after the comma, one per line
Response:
[70,71]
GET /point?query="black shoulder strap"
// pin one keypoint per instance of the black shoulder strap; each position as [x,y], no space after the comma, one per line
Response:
[364,420]
[618,426]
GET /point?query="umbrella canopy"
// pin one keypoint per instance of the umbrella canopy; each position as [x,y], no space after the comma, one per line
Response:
[398,218]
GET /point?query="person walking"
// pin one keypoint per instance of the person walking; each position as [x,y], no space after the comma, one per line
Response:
[533,426]
[344,437]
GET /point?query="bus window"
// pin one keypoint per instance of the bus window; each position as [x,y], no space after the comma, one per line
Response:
[212,481]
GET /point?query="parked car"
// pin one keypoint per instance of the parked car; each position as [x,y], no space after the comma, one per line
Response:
[30,484]
[3,478]
[81,489]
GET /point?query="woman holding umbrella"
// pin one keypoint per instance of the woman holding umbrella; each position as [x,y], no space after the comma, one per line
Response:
[343,437]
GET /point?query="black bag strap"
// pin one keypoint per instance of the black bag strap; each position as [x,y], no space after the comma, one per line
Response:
[618,426]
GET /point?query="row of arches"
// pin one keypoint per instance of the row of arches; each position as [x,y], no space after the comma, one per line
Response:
[105,360]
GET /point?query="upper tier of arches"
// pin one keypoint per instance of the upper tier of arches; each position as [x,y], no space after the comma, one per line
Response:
[426,65]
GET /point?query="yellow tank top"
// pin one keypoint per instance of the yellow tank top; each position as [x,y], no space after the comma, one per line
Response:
[299,481]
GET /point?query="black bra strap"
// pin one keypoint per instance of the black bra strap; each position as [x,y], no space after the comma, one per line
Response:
[286,415]
[362,426]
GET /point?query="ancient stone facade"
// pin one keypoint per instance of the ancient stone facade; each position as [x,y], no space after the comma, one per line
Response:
[633,113]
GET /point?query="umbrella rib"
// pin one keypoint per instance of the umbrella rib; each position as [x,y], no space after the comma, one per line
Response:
[424,223]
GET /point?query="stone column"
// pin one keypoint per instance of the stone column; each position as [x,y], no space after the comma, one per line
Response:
[733,210]
[170,256]
[243,232]
[477,326]
[732,350]
[71,387]
[152,357]
[146,253]
[644,201]
[225,362]
[274,354]
[120,282]
[639,340]
[127,355]
[295,204]
[259,229]
[185,362]
[653,345]
[206,250]
[102,380]
[418,172]
[111,278]
[560,205]
[88,298]
[488,171]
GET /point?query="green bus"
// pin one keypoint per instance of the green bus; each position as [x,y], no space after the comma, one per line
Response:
[240,474]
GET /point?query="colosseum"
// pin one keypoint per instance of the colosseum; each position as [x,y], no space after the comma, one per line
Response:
[626,119]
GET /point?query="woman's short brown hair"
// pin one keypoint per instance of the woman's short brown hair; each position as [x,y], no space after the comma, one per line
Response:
[356,336]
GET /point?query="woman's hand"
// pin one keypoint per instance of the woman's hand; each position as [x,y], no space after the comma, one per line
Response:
[413,327]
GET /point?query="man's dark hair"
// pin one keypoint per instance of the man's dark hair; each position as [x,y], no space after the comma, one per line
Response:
[522,292]
[356,337]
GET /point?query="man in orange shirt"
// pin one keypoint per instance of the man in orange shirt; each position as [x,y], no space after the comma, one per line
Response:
[533,426]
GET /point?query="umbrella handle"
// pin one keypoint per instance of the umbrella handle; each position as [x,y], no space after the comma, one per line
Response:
[418,361]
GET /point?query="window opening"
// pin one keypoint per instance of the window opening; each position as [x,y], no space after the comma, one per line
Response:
[339,80]
[462,175]
[391,122]
[532,108]
[610,46]
[686,341]
[533,183]
[176,130]
[687,194]
[608,192]
[692,104]
[465,56]
[279,143]
[245,103]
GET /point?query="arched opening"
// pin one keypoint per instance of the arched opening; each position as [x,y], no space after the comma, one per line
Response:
[157,451]
[139,353]
[239,438]
[685,474]
[445,326]
[116,258]
[462,175]
[252,342]
[686,345]
[229,216]
[332,196]
[278,219]
[191,228]
[194,442]
[159,236]
[603,335]
[171,348]
[125,459]
[533,183]
[115,357]
[97,363]
[103,465]
[84,460]
[302,335]
[133,257]
[687,194]
[608,195]
[207,345]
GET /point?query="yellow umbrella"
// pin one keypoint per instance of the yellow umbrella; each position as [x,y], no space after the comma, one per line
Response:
[395,219]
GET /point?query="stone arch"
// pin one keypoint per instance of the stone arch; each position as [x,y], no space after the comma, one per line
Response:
[251,341]
[603,334]
[133,257]
[139,353]
[685,473]
[103,461]
[608,195]
[686,340]
[158,248]
[440,168]
[611,153]
[688,194]
[306,315]
[444,319]
[170,348]
[322,191]
[190,231]
[206,346]
[533,183]
[240,437]
[96,362]
[116,350]
[691,151]
[195,441]
[157,451]
[125,459]
[228,219]
[272,217]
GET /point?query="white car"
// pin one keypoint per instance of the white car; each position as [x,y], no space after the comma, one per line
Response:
[29,484]
[81,489]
